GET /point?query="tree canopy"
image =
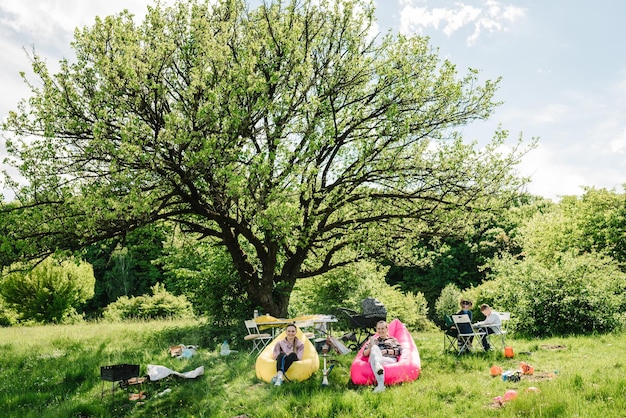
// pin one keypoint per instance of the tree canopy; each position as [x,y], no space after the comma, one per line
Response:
[286,133]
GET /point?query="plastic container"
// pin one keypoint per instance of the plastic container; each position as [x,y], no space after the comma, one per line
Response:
[225,349]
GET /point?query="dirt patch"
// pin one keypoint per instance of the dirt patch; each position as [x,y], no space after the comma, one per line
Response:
[553,347]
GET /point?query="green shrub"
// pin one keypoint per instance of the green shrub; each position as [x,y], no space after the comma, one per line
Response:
[50,291]
[577,294]
[162,304]
[196,269]
[8,316]
[334,289]
[348,286]
[411,308]
[448,302]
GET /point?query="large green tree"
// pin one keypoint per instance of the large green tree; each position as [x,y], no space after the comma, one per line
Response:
[286,133]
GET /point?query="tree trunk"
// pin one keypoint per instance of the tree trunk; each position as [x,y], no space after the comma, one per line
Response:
[269,298]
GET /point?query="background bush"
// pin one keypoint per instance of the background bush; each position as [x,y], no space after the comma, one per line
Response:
[8,316]
[205,274]
[447,303]
[162,304]
[348,286]
[577,294]
[49,292]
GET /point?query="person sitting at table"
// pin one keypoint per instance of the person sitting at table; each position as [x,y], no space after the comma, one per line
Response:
[382,349]
[490,325]
[466,306]
[286,351]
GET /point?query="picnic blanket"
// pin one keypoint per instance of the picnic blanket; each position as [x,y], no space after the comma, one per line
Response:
[156,372]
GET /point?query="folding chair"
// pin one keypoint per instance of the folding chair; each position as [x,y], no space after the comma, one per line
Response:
[307,324]
[259,340]
[449,335]
[465,333]
[501,330]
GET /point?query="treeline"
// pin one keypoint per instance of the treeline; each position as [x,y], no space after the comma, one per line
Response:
[558,267]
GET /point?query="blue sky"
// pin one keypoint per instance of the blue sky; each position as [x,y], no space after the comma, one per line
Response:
[562,65]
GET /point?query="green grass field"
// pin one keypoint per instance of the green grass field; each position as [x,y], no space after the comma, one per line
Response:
[54,371]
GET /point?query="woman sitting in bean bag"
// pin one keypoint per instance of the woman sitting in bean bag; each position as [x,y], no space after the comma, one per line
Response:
[291,355]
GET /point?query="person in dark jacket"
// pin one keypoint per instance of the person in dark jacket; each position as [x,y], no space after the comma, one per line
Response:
[466,309]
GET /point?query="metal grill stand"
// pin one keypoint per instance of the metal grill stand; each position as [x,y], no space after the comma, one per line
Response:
[117,373]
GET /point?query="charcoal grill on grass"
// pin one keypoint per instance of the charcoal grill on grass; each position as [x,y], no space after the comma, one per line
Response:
[119,372]
[122,373]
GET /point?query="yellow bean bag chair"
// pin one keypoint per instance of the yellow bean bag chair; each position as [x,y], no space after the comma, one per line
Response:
[299,370]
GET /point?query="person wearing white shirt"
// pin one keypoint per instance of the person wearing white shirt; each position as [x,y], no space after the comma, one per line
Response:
[381,349]
[491,324]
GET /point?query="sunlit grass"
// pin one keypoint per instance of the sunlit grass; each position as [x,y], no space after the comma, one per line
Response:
[54,371]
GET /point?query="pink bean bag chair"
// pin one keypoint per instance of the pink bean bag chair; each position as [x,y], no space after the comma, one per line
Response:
[406,369]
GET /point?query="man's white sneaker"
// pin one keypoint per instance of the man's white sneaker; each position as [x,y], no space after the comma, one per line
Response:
[378,389]
[279,381]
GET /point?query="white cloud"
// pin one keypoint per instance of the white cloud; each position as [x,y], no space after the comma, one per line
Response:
[548,173]
[451,20]
[618,145]
[491,17]
[550,113]
[46,18]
